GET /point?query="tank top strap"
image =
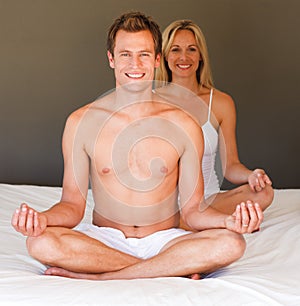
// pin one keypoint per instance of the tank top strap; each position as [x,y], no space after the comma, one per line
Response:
[210,103]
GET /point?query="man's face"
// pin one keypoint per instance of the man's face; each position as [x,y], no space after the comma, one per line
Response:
[134,57]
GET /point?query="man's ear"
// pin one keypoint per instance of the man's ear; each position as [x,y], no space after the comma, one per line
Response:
[157,60]
[111,60]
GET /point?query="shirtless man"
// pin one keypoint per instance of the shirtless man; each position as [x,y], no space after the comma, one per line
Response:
[139,152]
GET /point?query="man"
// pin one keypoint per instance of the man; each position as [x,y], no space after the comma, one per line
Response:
[138,151]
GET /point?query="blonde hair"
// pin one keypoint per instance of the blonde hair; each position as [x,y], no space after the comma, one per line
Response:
[203,73]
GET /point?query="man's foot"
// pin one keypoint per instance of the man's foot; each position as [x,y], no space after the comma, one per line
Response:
[55,271]
[195,276]
[65,273]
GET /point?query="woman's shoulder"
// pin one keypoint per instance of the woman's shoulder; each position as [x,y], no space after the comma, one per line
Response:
[223,106]
[222,96]
[223,100]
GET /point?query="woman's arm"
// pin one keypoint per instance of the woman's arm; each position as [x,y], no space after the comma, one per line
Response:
[234,171]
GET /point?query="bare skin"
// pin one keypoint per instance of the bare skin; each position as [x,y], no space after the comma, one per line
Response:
[137,197]
[183,61]
[205,241]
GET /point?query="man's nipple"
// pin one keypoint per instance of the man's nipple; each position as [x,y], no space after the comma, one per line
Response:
[164,169]
[105,170]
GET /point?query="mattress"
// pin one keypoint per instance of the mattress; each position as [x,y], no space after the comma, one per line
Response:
[267,274]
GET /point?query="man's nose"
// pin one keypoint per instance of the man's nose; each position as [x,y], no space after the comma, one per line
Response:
[135,60]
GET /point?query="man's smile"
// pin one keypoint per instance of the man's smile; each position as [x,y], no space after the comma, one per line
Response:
[135,75]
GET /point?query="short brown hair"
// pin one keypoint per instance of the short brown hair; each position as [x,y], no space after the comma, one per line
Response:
[134,22]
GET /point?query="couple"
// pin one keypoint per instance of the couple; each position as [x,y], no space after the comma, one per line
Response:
[141,154]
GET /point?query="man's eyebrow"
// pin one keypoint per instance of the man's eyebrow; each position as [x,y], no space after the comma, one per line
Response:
[146,51]
[140,51]
[123,50]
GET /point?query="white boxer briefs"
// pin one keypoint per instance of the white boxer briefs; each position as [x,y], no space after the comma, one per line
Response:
[144,248]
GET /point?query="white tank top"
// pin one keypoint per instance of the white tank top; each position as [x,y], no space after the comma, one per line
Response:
[211,182]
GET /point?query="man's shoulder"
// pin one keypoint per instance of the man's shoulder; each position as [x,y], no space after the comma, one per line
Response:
[98,106]
[78,114]
[180,116]
[177,110]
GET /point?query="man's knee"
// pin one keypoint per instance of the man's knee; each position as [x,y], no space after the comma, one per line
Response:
[231,247]
[225,246]
[236,244]
[44,247]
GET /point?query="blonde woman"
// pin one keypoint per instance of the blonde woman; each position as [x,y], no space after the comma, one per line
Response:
[185,62]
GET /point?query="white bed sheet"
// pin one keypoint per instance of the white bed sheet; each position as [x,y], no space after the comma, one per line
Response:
[268,273]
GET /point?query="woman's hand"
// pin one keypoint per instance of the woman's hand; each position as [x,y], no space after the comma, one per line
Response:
[258,180]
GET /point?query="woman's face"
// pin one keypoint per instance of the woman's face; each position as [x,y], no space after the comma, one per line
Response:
[184,55]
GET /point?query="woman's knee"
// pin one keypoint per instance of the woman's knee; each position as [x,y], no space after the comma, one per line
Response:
[265,197]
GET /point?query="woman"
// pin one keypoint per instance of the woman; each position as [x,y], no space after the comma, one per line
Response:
[185,63]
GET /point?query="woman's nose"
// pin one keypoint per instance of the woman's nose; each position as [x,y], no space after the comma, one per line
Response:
[183,55]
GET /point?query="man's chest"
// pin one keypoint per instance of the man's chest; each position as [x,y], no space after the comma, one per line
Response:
[142,148]
[144,158]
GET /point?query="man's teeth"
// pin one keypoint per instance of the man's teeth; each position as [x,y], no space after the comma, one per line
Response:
[135,75]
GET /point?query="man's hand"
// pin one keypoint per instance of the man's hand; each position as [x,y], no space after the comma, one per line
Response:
[28,221]
[258,180]
[247,218]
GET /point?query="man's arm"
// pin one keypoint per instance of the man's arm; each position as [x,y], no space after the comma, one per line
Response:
[195,213]
[70,210]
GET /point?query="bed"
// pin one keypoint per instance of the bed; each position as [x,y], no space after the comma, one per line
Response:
[267,274]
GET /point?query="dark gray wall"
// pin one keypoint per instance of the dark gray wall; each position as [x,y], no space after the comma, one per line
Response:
[53,60]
